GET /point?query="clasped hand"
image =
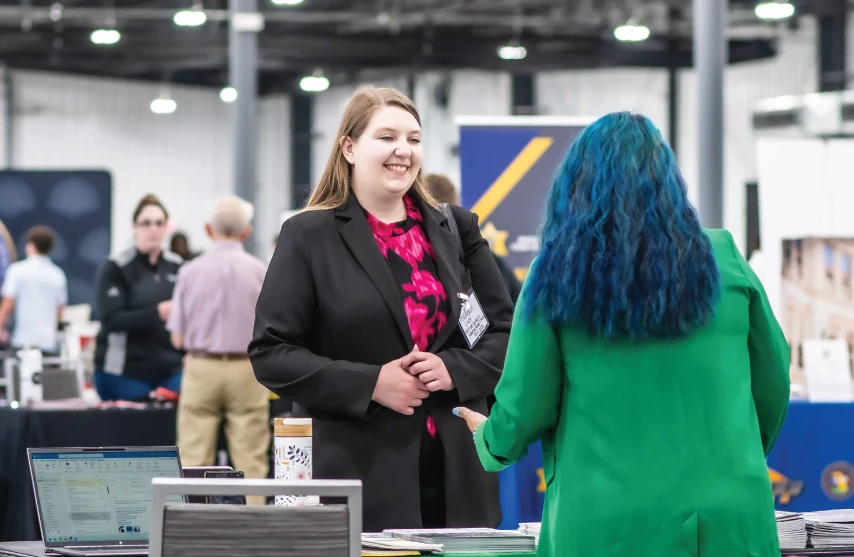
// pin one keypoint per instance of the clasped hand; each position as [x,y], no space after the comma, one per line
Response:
[403,384]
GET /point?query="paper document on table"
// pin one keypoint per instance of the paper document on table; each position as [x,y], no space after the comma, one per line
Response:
[471,540]
[388,553]
[830,529]
[531,529]
[791,530]
[385,542]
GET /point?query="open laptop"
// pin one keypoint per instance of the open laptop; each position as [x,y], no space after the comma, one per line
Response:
[97,501]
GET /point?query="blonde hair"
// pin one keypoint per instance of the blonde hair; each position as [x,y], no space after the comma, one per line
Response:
[333,189]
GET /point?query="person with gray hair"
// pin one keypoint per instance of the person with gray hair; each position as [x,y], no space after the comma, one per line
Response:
[213,312]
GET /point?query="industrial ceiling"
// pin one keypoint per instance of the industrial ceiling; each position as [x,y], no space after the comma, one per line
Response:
[358,39]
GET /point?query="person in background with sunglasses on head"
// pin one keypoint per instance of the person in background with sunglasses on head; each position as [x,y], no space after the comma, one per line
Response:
[134,354]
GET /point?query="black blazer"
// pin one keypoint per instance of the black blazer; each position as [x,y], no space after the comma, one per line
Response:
[330,316]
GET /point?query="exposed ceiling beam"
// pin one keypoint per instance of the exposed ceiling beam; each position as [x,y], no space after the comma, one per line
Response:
[346,38]
[87,15]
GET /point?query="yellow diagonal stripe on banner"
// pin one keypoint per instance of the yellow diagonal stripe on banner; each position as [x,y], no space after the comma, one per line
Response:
[511,176]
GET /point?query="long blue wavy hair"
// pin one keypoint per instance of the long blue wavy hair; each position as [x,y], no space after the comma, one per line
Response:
[623,254]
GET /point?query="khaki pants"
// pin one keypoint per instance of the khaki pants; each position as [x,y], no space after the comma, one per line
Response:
[212,391]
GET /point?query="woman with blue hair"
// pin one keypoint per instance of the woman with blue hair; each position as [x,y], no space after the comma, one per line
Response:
[646,357]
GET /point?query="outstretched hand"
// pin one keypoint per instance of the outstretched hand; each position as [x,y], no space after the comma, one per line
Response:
[472,418]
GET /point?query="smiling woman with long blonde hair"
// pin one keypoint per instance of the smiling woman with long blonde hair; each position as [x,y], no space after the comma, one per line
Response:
[358,322]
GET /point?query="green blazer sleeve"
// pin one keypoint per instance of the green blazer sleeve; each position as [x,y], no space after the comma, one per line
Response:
[527,397]
[769,359]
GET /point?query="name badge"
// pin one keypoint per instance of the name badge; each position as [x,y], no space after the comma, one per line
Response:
[473,321]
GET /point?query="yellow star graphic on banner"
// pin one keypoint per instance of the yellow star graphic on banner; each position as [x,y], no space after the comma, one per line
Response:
[542,487]
[497,239]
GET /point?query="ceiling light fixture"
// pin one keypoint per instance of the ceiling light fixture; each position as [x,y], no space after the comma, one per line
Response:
[287,2]
[105,36]
[228,94]
[512,51]
[193,17]
[631,33]
[314,83]
[163,105]
[774,10]
[109,33]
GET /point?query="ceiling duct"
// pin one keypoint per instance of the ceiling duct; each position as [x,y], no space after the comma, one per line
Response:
[828,114]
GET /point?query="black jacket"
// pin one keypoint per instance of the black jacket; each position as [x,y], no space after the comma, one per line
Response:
[330,316]
[133,341]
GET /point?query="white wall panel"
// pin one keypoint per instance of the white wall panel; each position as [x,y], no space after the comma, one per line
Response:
[480,93]
[597,92]
[473,93]
[184,158]
[327,112]
[76,122]
[437,121]
[274,169]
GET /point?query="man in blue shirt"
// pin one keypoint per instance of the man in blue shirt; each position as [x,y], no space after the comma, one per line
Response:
[37,291]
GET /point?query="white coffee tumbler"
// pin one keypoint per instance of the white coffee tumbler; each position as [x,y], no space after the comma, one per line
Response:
[293,457]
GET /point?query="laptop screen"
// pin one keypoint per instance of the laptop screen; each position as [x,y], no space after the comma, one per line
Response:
[99,496]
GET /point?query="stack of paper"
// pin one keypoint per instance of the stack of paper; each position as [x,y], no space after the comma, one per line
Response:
[381,543]
[830,529]
[791,530]
[469,541]
[531,529]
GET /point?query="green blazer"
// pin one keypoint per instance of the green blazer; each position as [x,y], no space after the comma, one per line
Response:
[655,448]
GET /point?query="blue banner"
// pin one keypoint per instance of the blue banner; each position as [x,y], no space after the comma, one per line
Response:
[506,170]
[77,205]
[8,253]
[507,165]
[812,463]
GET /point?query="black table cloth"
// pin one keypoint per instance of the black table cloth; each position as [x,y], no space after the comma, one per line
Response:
[23,428]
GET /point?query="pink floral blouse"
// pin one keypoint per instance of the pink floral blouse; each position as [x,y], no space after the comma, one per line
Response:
[412,262]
